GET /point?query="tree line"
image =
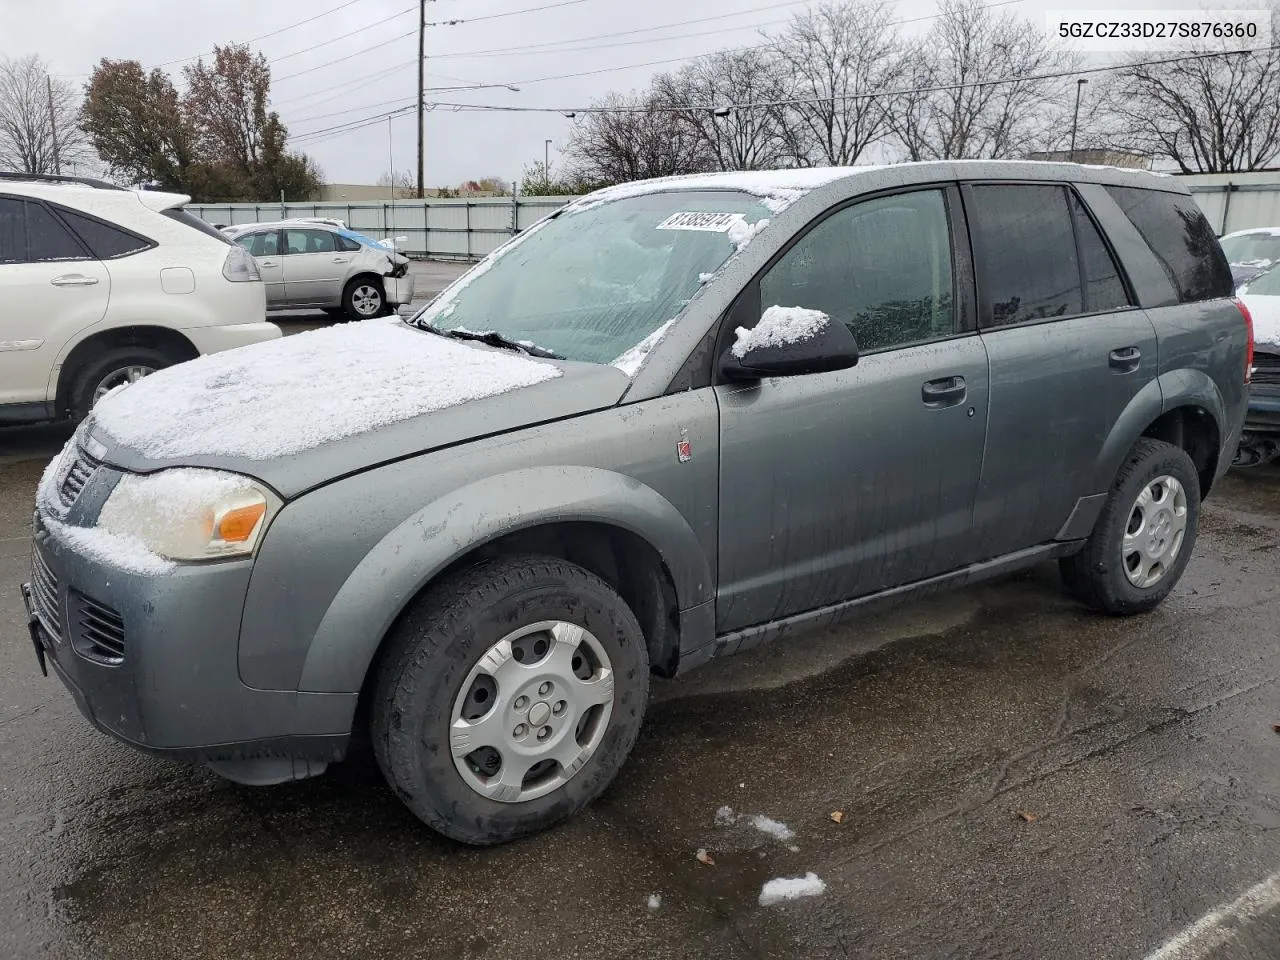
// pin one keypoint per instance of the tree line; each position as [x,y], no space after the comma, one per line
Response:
[218,141]
[842,84]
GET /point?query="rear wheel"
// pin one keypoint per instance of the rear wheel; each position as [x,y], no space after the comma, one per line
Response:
[509,697]
[114,368]
[363,298]
[1143,540]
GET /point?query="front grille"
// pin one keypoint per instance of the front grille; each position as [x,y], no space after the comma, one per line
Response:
[1266,367]
[44,594]
[99,630]
[75,478]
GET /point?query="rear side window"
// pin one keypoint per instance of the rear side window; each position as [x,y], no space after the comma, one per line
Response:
[261,244]
[1104,288]
[1182,240]
[47,239]
[107,242]
[13,232]
[1026,252]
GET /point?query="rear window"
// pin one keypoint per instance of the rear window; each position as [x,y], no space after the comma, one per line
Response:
[1182,240]
[195,223]
[107,242]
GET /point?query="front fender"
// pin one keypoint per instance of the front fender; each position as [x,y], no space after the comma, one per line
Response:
[411,555]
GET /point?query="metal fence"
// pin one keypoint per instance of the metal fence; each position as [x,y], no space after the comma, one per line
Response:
[445,229]
[1237,201]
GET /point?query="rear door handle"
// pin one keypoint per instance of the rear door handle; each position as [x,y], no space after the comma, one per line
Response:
[1125,359]
[73,280]
[943,392]
[341,259]
[267,263]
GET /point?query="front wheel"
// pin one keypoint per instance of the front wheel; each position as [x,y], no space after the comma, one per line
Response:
[1143,540]
[509,697]
[363,299]
[114,368]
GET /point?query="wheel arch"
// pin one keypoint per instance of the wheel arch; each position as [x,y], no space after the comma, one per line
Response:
[143,335]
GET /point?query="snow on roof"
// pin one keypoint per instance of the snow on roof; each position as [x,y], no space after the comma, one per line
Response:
[288,395]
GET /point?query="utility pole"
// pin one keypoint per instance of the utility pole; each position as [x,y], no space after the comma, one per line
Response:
[1075,117]
[53,125]
[422,83]
[546,165]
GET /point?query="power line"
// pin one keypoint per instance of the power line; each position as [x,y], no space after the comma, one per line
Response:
[347,35]
[273,33]
[509,13]
[349,56]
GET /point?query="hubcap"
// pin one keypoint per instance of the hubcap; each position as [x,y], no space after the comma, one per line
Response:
[367,300]
[130,374]
[1155,531]
[532,711]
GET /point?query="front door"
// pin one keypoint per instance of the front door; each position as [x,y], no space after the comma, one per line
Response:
[51,289]
[1068,353]
[313,268]
[841,484]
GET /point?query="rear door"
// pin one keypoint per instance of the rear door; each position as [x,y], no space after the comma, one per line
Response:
[836,485]
[1068,351]
[51,288]
[264,247]
[314,267]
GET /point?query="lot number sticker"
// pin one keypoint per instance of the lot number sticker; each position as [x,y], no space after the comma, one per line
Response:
[711,222]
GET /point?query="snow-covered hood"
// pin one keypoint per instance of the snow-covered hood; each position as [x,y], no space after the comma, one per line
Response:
[1266,320]
[299,411]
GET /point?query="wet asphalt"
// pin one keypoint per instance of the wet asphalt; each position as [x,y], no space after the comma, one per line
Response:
[1016,777]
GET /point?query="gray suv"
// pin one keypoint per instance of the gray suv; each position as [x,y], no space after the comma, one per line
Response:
[672,421]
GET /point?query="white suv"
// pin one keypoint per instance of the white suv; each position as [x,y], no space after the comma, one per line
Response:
[100,286]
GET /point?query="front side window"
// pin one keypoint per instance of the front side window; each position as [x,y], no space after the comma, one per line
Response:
[308,241]
[881,267]
[591,283]
[49,240]
[1026,253]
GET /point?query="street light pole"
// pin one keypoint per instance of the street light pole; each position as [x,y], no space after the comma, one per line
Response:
[1075,117]
[546,164]
[422,81]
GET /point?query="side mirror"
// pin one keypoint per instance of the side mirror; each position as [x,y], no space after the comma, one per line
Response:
[788,342]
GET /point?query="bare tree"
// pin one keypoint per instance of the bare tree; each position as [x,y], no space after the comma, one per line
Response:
[39,130]
[1212,115]
[837,54]
[406,184]
[633,138]
[729,100]
[954,112]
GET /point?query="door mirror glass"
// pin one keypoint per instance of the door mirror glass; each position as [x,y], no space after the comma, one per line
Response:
[789,341]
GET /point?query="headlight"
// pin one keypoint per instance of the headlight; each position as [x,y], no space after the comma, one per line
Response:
[190,514]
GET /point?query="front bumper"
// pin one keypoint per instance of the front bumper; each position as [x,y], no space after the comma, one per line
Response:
[398,290]
[174,689]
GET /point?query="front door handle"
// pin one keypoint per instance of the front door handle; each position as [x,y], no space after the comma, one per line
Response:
[943,392]
[73,280]
[1125,359]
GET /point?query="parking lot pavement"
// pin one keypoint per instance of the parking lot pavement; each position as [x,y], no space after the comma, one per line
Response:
[1016,777]
[430,277]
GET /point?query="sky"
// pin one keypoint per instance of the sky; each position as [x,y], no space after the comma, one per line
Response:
[363,62]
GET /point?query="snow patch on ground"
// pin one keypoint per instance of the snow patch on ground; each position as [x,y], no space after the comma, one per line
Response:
[791,888]
[742,233]
[725,816]
[117,550]
[632,359]
[655,901]
[778,327]
[284,396]
[774,828]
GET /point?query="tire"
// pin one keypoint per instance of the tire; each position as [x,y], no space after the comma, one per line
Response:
[117,364]
[1103,574]
[363,298]
[441,655]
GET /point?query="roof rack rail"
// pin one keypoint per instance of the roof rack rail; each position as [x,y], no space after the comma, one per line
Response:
[51,178]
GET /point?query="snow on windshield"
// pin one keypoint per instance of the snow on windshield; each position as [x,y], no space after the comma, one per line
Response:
[778,327]
[288,395]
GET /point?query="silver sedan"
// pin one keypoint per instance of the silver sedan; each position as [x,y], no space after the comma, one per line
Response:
[316,265]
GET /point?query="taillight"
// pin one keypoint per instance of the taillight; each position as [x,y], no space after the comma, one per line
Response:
[239,267]
[1248,325]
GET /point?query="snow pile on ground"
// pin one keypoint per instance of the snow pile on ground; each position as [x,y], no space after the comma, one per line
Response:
[655,901]
[742,233]
[120,551]
[791,888]
[774,828]
[281,397]
[632,359]
[778,327]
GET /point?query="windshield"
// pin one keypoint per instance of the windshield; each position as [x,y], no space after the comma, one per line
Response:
[1267,285]
[1252,246]
[590,284]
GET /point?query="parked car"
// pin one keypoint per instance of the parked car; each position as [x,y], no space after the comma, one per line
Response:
[1251,252]
[309,265]
[1260,441]
[102,286]
[670,422]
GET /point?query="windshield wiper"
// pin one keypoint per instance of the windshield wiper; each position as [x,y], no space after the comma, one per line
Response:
[491,338]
